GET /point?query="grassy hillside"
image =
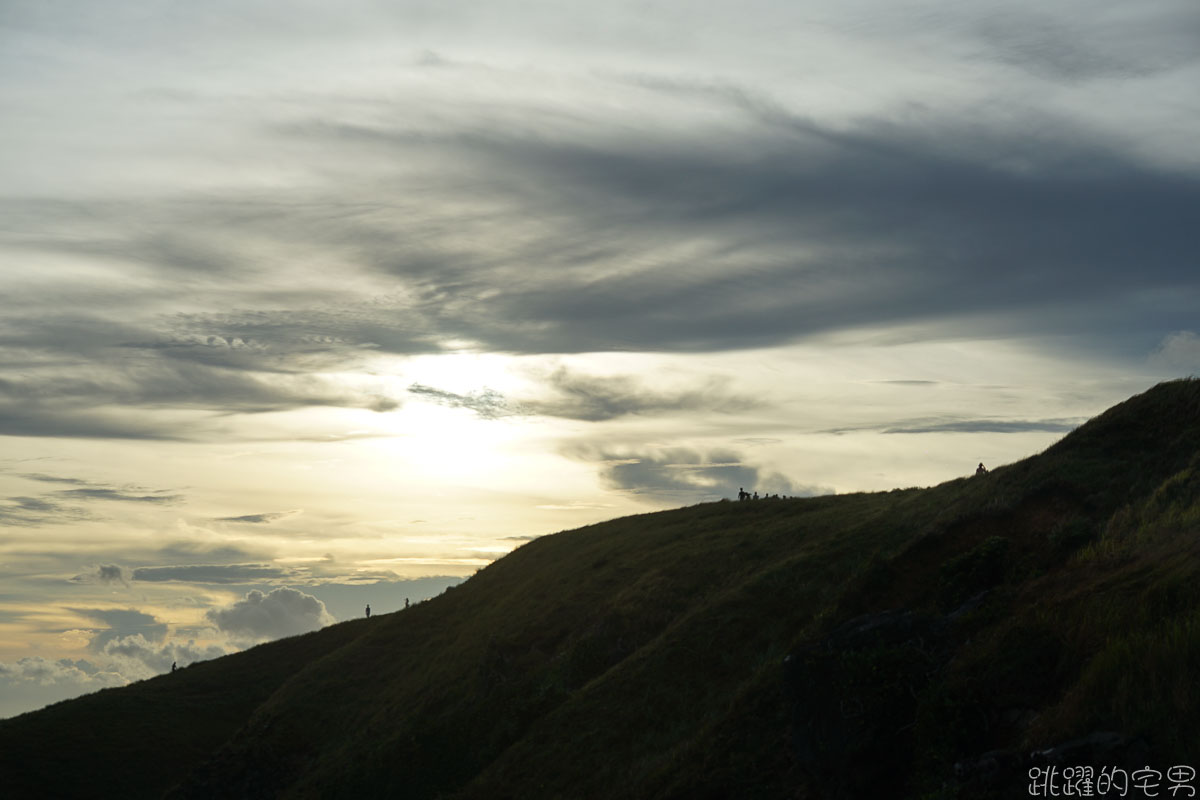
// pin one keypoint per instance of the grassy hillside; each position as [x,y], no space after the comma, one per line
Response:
[914,643]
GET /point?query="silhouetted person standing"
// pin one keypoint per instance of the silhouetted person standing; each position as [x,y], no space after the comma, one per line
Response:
[368,610]
[173,666]
[406,602]
[982,470]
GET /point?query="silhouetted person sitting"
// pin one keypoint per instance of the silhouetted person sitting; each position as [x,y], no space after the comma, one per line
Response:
[982,470]
[368,610]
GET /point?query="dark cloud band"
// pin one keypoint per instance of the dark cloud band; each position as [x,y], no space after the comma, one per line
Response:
[211,573]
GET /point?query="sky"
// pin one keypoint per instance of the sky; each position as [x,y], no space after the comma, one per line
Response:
[305,305]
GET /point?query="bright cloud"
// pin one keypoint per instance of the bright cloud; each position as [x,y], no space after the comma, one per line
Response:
[280,612]
[33,682]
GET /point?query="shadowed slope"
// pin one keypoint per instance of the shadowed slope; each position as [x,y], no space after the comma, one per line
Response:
[435,694]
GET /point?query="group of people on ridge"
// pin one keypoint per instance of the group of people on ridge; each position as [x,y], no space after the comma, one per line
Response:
[744,495]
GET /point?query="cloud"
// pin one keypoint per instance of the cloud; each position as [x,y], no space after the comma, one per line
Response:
[134,645]
[1085,50]
[35,511]
[39,670]
[680,211]
[798,229]
[264,518]
[1178,352]
[304,338]
[19,419]
[138,657]
[683,475]
[963,425]
[280,612]
[487,403]
[38,476]
[92,378]
[50,508]
[111,573]
[988,426]
[91,490]
[32,682]
[201,552]
[674,241]
[598,398]
[105,493]
[593,398]
[156,380]
[685,239]
[211,573]
[121,623]
[104,574]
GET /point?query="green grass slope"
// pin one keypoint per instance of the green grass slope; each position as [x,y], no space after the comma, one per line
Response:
[914,643]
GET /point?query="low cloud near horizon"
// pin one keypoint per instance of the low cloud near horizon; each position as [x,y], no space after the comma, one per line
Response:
[683,476]
[275,614]
[131,645]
